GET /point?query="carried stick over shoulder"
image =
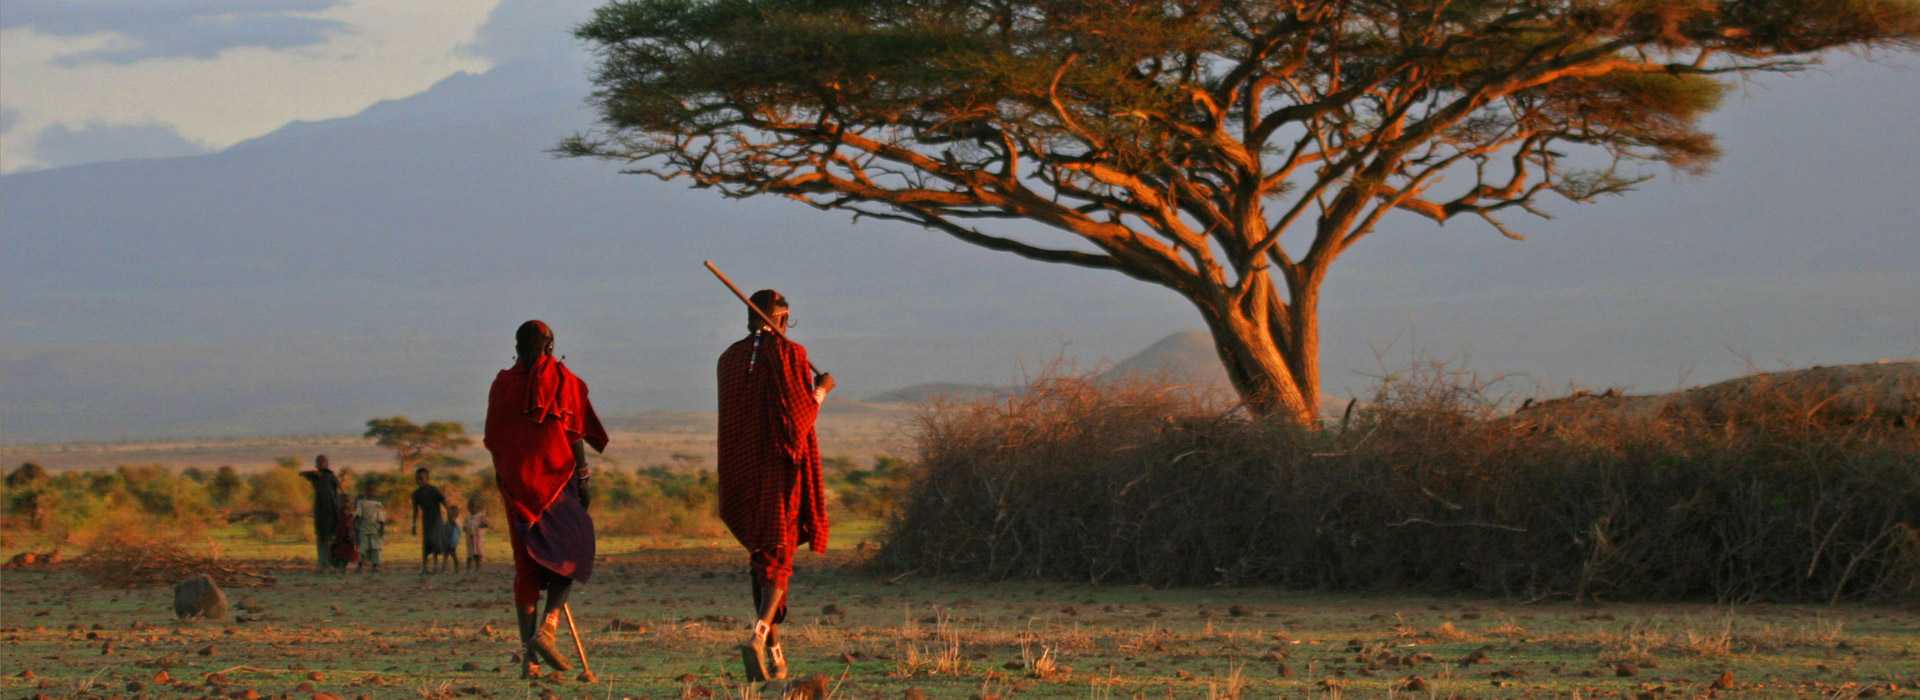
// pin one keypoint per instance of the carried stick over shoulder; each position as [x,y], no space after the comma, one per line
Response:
[757,311]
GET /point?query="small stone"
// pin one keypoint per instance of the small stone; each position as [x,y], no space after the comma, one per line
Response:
[199,598]
[206,650]
[914,694]
[1724,682]
[1624,669]
[1237,611]
[315,676]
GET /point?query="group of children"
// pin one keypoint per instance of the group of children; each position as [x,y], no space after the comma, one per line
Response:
[440,538]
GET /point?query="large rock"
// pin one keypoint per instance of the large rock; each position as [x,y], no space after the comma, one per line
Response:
[199,597]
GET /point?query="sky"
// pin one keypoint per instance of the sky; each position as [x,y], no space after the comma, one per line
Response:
[349,204]
[95,80]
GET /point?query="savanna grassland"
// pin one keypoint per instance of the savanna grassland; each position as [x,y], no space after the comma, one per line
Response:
[1082,540]
[662,616]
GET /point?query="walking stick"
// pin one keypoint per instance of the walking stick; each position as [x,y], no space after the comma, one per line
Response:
[757,312]
[586,670]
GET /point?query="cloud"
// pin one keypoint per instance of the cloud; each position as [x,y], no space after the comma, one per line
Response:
[8,119]
[532,30]
[60,145]
[175,28]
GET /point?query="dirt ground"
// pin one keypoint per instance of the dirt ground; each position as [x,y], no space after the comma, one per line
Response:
[661,619]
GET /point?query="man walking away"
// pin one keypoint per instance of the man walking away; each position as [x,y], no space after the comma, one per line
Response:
[326,511]
[771,496]
[539,425]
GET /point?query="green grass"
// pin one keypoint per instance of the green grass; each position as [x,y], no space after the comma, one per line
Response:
[399,634]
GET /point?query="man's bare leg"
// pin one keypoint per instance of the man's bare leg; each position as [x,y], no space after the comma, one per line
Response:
[529,662]
[548,630]
[754,653]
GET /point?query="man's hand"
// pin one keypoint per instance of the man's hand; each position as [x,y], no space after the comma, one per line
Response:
[824,382]
[584,485]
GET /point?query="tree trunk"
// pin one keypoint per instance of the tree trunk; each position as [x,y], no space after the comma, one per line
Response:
[1269,354]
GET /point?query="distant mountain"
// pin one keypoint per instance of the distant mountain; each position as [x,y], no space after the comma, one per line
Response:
[1187,358]
[941,391]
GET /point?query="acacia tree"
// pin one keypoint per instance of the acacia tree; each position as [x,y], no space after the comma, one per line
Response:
[417,445]
[1229,150]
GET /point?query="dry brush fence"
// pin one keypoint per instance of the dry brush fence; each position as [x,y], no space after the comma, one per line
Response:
[1427,488]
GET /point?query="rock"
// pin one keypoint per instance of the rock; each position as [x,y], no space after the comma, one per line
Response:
[1724,682]
[206,650]
[914,694]
[199,598]
[1624,669]
[1413,684]
[315,676]
[831,609]
[1237,611]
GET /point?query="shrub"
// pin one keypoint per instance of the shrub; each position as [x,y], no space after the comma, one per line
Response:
[1429,487]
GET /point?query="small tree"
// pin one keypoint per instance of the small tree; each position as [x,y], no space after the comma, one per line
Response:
[1228,150]
[419,445]
[27,474]
[224,486]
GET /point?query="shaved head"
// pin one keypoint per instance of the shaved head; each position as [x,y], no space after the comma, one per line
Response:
[533,339]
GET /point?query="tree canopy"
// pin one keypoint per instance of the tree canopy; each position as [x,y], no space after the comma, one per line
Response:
[419,445]
[1202,145]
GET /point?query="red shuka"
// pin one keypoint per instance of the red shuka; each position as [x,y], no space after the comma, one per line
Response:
[533,416]
[771,496]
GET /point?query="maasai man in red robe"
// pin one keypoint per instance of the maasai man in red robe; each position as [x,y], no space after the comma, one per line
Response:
[771,496]
[539,424]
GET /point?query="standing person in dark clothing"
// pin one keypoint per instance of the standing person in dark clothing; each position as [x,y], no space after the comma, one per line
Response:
[539,426]
[326,512]
[425,521]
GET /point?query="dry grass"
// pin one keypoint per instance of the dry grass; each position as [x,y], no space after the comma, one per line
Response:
[1428,487]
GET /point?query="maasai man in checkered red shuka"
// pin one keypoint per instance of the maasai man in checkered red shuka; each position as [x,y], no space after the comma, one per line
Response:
[771,496]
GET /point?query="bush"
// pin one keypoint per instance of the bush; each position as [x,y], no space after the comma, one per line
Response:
[1427,488]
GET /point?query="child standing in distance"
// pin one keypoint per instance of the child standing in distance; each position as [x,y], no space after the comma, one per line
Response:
[476,521]
[450,538]
[370,528]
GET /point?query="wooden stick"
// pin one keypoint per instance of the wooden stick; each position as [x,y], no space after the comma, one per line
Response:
[586,669]
[757,311]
